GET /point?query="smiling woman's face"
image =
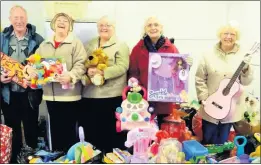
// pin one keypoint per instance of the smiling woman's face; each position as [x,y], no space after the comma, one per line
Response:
[62,25]
[153,28]
[106,28]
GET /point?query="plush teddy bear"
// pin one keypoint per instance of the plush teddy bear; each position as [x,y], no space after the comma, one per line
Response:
[99,60]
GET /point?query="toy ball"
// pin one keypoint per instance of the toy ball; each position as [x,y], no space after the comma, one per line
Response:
[119,110]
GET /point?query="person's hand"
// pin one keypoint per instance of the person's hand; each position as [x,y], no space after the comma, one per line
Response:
[4,77]
[64,79]
[189,60]
[28,82]
[30,71]
[247,60]
[93,71]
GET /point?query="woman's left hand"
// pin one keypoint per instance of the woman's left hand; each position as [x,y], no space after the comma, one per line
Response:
[189,60]
[247,61]
[64,79]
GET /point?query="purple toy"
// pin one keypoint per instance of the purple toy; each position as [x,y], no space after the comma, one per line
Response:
[168,77]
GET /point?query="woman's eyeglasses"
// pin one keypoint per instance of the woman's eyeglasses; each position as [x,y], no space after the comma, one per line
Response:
[153,24]
[104,26]
[231,34]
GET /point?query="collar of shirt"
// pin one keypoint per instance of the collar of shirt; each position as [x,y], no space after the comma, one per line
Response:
[25,37]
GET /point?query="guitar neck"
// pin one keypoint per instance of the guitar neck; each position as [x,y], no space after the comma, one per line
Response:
[236,74]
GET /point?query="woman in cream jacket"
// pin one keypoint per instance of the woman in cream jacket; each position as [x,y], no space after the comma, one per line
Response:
[63,104]
[99,103]
[219,63]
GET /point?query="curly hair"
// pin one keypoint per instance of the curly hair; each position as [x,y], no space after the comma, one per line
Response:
[70,20]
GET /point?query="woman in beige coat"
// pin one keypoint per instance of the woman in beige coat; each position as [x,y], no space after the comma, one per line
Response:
[219,63]
[99,103]
[63,104]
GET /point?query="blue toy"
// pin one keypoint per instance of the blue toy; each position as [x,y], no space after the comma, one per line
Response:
[240,147]
[193,148]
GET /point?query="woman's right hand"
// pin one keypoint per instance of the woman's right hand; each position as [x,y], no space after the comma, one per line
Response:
[30,72]
[91,72]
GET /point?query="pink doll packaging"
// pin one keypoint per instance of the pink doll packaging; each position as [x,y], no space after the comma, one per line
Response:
[168,77]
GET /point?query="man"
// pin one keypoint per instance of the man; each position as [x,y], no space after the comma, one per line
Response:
[19,41]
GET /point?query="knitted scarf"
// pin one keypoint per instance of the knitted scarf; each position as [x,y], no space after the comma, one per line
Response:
[151,47]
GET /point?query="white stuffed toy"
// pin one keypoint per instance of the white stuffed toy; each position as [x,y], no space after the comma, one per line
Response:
[252,113]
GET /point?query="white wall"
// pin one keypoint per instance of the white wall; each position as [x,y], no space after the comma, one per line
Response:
[193,24]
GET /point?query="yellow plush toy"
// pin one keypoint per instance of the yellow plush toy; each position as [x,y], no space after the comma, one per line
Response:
[99,60]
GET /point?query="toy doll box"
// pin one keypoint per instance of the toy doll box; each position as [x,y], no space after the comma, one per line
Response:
[55,65]
[168,77]
[14,69]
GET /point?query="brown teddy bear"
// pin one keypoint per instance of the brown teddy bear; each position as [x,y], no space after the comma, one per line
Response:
[99,60]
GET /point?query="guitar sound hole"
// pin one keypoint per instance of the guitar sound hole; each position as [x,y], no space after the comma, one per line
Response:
[216,105]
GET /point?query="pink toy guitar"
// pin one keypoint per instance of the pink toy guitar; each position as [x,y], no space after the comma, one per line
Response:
[221,102]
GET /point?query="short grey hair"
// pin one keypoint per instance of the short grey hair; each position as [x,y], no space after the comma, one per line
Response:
[17,7]
[109,18]
[143,34]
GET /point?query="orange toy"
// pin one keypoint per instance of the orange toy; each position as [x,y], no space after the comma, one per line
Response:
[14,69]
[175,126]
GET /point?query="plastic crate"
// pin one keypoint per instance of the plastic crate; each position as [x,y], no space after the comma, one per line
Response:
[193,148]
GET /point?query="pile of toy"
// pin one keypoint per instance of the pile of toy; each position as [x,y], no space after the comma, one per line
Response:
[81,152]
[178,139]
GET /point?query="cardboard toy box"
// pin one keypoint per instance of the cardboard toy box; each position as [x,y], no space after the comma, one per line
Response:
[168,77]
[14,69]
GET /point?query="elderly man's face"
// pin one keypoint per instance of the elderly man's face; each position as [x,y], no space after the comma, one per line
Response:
[153,28]
[105,29]
[18,19]
[228,37]
[62,25]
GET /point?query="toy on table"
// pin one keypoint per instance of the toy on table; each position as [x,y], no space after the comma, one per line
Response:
[257,151]
[160,135]
[98,60]
[193,149]
[232,160]
[43,157]
[176,127]
[244,158]
[82,151]
[14,69]
[219,148]
[240,147]
[140,139]
[256,161]
[170,151]
[168,77]
[257,136]
[134,111]
[118,156]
